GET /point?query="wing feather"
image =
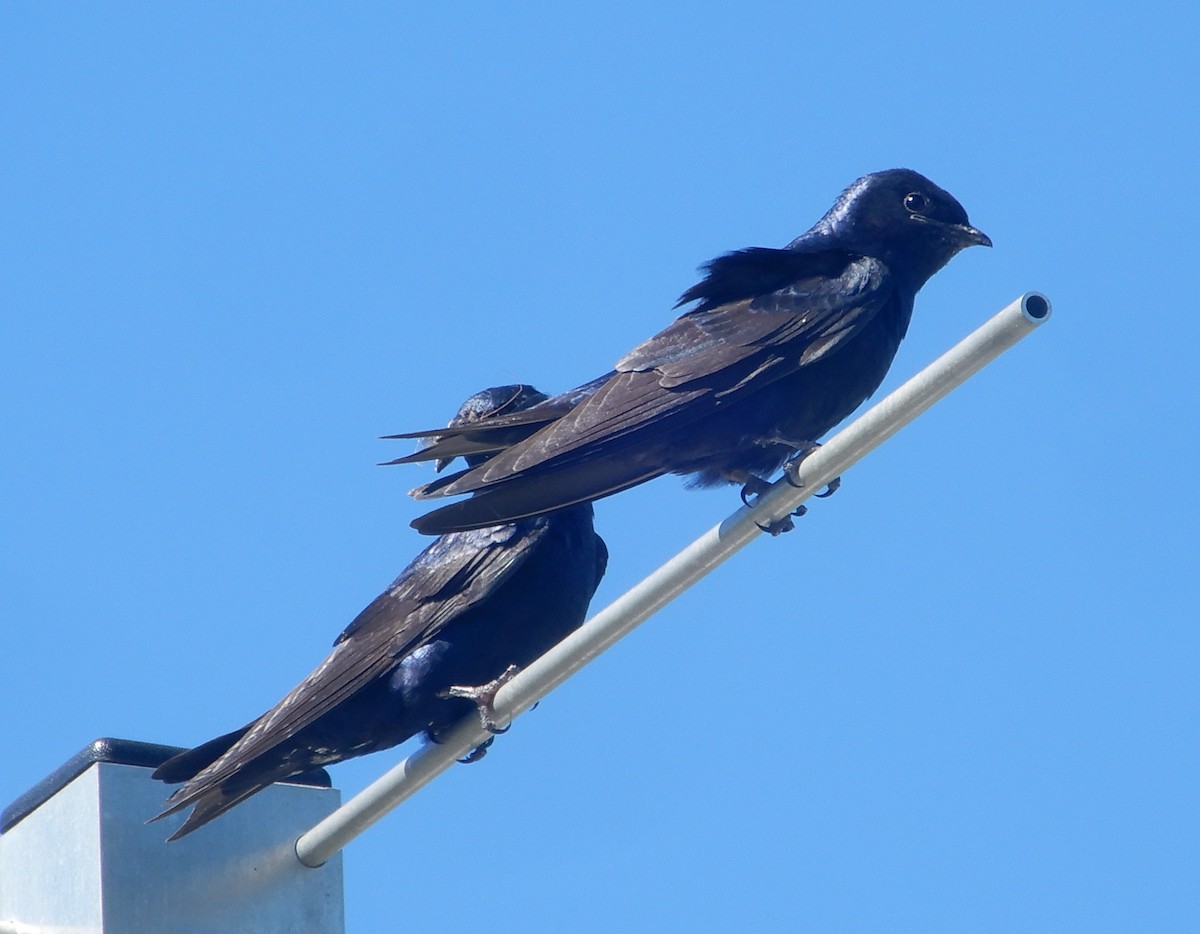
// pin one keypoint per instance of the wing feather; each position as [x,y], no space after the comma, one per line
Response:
[454,574]
[683,373]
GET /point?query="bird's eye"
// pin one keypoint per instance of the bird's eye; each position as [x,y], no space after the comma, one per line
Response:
[916,203]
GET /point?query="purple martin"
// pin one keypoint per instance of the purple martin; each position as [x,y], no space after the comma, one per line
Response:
[427,651]
[780,346]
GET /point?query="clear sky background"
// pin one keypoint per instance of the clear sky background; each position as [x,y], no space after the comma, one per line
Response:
[242,241]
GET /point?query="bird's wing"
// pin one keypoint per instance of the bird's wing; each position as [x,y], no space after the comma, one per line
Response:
[811,315]
[455,573]
[553,489]
[682,373]
[489,435]
[494,433]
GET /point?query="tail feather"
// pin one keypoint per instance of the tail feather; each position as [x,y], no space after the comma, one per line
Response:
[534,495]
[210,804]
[449,448]
[189,763]
[212,799]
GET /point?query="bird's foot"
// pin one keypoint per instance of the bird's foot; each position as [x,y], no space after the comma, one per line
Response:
[830,488]
[435,737]
[791,471]
[752,488]
[478,752]
[779,526]
[484,697]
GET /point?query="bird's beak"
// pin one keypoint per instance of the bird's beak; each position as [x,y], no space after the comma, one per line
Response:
[962,233]
[972,236]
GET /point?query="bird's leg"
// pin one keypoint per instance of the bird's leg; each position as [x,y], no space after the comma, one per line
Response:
[484,697]
[779,526]
[752,488]
[435,736]
[791,469]
[755,486]
[478,752]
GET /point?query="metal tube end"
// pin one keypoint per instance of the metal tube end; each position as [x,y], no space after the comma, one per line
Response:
[1035,307]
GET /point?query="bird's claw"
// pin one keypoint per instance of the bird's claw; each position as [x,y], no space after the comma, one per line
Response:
[435,737]
[778,527]
[785,524]
[478,752]
[830,488]
[752,489]
[484,697]
[791,472]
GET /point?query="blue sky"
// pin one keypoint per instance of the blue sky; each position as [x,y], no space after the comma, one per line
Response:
[242,241]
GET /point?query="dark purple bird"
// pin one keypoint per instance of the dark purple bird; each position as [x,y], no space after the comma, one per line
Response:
[781,345]
[430,649]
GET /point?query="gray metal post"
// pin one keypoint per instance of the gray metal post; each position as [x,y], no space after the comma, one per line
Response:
[831,460]
[76,854]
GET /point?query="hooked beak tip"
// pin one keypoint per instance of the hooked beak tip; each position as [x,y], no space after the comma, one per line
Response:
[977,237]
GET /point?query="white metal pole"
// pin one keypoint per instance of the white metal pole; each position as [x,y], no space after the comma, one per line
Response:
[625,613]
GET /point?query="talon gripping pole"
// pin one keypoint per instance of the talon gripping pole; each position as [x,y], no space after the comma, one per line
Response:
[832,459]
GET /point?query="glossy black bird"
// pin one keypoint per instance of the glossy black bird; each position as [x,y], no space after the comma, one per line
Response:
[781,345]
[468,607]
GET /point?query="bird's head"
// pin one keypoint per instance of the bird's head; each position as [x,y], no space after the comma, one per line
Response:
[902,218]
